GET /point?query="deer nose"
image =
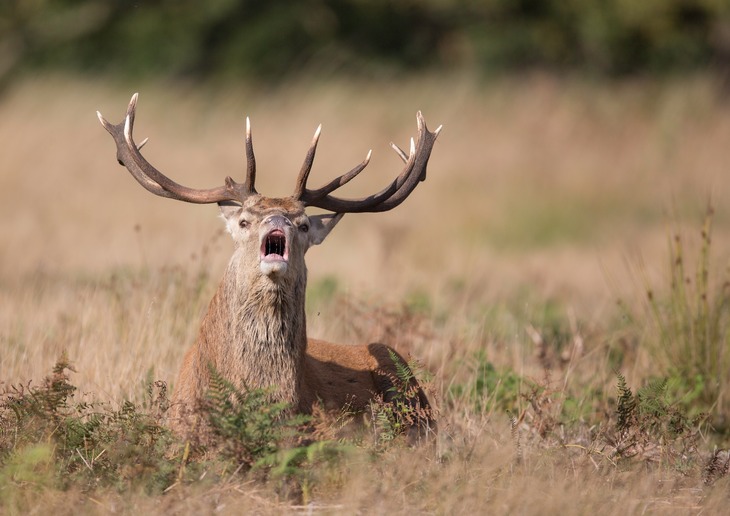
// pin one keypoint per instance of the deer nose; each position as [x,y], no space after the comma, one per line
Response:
[278,221]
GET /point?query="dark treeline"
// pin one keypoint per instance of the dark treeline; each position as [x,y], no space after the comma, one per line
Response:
[275,39]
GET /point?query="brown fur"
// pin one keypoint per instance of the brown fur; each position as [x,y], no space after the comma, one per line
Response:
[254,333]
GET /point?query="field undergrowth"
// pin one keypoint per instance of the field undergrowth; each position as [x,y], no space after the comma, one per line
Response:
[559,282]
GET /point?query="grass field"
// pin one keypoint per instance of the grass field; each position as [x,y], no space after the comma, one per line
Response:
[554,252]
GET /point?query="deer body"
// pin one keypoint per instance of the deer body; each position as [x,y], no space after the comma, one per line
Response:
[254,333]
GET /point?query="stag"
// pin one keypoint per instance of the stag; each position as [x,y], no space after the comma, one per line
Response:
[254,332]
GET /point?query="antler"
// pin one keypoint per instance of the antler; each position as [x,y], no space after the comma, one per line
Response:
[395,193]
[388,198]
[156,182]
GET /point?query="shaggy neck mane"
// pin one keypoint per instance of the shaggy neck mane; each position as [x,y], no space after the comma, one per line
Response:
[266,332]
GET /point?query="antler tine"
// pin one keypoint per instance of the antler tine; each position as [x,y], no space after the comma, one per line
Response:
[145,181]
[155,181]
[395,193]
[301,185]
[341,180]
[400,152]
[250,160]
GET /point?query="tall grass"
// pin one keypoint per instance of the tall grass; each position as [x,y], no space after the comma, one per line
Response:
[510,316]
[691,316]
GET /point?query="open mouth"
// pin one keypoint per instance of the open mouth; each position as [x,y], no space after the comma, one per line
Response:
[274,248]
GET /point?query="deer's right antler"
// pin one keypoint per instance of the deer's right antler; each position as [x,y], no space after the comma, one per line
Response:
[159,184]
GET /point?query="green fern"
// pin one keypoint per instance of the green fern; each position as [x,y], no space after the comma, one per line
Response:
[402,371]
[248,424]
[386,423]
[400,410]
[652,398]
[92,444]
[653,420]
[626,402]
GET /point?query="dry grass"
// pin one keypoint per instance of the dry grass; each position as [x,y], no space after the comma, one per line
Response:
[539,192]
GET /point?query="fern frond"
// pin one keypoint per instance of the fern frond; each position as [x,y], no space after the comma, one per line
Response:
[652,398]
[626,402]
[402,371]
[248,423]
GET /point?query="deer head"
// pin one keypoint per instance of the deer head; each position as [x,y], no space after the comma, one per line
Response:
[273,234]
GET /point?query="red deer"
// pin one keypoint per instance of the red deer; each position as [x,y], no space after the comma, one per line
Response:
[254,332]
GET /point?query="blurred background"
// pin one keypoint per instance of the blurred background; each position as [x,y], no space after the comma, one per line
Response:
[278,40]
[578,138]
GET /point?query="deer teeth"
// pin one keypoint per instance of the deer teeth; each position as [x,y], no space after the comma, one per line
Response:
[275,245]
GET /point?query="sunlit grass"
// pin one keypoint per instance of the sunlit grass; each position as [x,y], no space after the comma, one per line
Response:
[499,276]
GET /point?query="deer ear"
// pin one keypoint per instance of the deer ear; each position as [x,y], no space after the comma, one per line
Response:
[230,211]
[321,225]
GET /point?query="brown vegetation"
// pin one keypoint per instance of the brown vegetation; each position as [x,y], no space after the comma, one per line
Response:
[547,200]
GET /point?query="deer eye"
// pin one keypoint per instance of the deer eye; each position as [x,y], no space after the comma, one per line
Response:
[244,223]
[303,228]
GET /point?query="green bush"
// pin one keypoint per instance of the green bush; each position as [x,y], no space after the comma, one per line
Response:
[91,444]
